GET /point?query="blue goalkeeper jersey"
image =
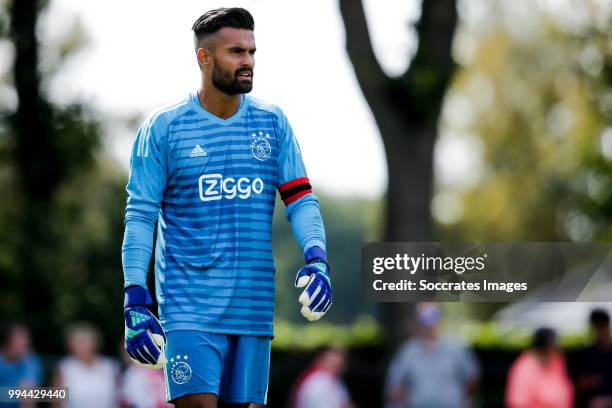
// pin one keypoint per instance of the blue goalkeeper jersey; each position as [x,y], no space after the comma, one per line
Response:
[211,183]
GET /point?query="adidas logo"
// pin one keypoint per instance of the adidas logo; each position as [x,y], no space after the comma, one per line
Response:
[198,152]
[138,318]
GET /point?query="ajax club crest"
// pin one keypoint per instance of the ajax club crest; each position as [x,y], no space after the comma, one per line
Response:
[260,146]
[180,370]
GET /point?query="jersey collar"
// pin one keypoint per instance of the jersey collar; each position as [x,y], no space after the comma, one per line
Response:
[244,102]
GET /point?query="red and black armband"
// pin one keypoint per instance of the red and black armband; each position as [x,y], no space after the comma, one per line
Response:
[294,190]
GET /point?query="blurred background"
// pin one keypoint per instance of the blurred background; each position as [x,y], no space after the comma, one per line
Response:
[458,120]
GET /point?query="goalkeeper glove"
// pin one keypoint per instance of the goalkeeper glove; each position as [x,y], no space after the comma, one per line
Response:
[144,336]
[316,299]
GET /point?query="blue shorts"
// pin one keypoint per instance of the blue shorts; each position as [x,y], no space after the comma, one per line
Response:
[233,367]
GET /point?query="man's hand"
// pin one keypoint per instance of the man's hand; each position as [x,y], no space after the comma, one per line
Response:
[144,336]
[316,299]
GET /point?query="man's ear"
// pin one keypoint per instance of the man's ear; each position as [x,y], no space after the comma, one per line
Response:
[204,57]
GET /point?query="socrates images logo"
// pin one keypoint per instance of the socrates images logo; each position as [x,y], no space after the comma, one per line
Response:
[260,146]
[180,370]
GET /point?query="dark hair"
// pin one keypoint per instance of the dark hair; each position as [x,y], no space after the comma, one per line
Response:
[543,338]
[600,317]
[214,20]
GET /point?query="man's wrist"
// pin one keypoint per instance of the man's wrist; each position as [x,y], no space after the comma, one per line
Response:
[136,296]
[315,253]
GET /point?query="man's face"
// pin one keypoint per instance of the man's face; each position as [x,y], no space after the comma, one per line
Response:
[602,331]
[19,343]
[233,60]
[82,345]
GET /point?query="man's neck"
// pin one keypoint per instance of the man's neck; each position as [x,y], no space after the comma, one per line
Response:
[9,357]
[88,360]
[218,103]
[604,343]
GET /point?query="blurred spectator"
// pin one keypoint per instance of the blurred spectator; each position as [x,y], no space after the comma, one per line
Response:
[431,371]
[595,371]
[538,378]
[91,378]
[320,385]
[19,367]
[142,387]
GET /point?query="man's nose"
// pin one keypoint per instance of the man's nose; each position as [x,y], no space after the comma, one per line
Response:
[248,61]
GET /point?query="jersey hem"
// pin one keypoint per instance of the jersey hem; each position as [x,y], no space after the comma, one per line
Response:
[170,327]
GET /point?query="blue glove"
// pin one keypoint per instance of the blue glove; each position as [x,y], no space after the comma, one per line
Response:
[316,299]
[144,336]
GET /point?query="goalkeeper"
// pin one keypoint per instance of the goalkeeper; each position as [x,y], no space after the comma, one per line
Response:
[206,170]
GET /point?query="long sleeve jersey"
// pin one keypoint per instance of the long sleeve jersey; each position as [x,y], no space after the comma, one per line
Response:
[210,186]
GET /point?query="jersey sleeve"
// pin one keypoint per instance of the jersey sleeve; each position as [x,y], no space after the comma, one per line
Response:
[293,182]
[146,186]
[302,206]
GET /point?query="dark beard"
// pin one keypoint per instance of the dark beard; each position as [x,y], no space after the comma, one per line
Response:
[229,83]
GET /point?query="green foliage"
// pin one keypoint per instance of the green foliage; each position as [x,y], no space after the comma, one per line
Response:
[88,279]
[534,105]
[364,331]
[81,269]
[75,139]
[488,335]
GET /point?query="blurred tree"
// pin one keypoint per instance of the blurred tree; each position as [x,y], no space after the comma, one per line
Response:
[406,109]
[530,109]
[533,106]
[61,216]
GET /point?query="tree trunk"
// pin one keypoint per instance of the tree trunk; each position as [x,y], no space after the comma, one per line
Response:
[406,110]
[34,160]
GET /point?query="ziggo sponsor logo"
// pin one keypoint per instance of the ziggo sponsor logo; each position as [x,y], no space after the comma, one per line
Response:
[215,187]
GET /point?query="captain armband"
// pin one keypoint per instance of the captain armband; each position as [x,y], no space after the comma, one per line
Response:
[294,190]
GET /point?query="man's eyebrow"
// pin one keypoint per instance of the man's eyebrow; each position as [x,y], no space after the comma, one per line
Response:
[241,48]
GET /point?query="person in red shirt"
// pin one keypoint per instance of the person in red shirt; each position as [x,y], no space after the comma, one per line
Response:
[320,385]
[538,378]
